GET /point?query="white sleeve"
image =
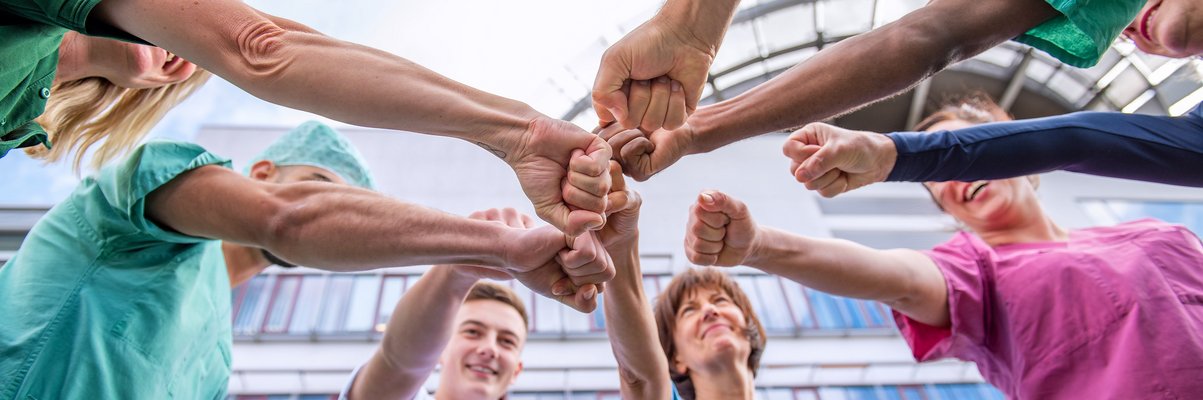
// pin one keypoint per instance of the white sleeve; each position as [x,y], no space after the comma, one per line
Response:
[420,395]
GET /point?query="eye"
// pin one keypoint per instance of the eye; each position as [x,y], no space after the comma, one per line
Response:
[686,310]
[471,332]
[509,343]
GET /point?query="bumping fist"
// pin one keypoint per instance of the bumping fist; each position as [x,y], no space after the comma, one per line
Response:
[833,160]
[720,231]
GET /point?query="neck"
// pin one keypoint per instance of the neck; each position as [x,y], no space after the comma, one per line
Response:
[1037,229]
[242,262]
[729,382]
[73,58]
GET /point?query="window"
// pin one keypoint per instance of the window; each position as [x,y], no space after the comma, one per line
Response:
[1110,212]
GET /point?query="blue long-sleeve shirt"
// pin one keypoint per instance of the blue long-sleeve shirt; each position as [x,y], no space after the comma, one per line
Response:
[1141,147]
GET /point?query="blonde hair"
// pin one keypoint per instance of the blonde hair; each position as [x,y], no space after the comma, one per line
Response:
[82,112]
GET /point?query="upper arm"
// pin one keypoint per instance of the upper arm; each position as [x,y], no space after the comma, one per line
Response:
[217,203]
[968,27]
[924,292]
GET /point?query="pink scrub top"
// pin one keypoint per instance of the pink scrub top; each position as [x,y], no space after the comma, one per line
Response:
[1114,313]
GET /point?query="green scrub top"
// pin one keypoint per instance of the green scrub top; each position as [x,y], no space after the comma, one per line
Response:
[31,32]
[101,303]
[1083,31]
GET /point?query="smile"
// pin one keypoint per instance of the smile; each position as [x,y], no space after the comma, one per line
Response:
[1146,19]
[973,190]
[482,370]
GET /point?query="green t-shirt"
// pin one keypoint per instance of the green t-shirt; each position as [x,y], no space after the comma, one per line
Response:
[102,303]
[30,33]
[1083,31]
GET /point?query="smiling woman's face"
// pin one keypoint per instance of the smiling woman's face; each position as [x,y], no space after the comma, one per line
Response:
[711,330]
[1168,28]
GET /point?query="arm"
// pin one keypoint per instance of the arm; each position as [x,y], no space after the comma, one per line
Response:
[843,77]
[419,329]
[676,48]
[642,366]
[339,227]
[721,232]
[289,64]
[1141,147]
[850,73]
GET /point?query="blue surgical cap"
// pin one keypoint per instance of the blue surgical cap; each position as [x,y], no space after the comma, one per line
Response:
[317,145]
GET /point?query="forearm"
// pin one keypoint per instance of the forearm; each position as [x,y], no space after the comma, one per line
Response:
[865,68]
[705,21]
[288,64]
[341,228]
[643,369]
[420,327]
[834,266]
[1150,148]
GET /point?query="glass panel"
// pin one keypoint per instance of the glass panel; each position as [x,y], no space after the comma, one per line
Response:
[308,303]
[846,17]
[739,45]
[777,394]
[798,303]
[574,321]
[806,394]
[861,393]
[827,311]
[852,311]
[776,314]
[787,27]
[547,315]
[280,308]
[651,287]
[250,311]
[598,318]
[334,304]
[911,393]
[877,314]
[362,308]
[888,393]
[394,288]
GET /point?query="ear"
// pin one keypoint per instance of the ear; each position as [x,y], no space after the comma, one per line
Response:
[264,171]
[679,366]
[517,371]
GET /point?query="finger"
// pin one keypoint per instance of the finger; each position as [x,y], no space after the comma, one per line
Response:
[594,161]
[620,140]
[493,214]
[713,219]
[479,214]
[527,221]
[798,151]
[675,116]
[511,217]
[822,181]
[609,131]
[834,188]
[577,222]
[609,94]
[657,105]
[699,258]
[634,151]
[637,102]
[706,232]
[593,185]
[702,246]
[594,279]
[581,199]
[584,300]
[617,183]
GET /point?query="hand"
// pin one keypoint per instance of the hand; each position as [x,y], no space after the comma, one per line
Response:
[563,170]
[533,258]
[834,160]
[653,77]
[622,214]
[642,156]
[720,231]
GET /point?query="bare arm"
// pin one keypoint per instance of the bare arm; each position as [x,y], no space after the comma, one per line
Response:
[906,280]
[419,329]
[721,232]
[339,227]
[642,367]
[851,73]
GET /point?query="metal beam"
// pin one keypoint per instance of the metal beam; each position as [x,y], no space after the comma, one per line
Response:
[1018,76]
[918,100]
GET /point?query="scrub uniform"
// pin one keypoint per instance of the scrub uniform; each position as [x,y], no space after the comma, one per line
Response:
[102,303]
[1113,313]
[1083,31]
[31,32]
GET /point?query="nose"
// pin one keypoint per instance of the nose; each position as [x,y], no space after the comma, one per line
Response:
[709,312]
[487,350]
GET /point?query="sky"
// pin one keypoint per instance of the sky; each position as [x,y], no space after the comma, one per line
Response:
[513,49]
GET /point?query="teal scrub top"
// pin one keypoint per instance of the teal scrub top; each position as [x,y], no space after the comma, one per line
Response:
[101,303]
[1084,30]
[31,31]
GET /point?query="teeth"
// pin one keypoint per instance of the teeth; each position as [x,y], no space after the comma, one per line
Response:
[483,370]
[975,189]
[170,57]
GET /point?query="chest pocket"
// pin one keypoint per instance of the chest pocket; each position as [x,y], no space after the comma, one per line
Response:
[1062,301]
[1178,255]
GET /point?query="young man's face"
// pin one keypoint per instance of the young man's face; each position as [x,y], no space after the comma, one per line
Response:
[482,359]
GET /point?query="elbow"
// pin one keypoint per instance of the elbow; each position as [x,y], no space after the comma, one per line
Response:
[285,218]
[263,52]
[939,38]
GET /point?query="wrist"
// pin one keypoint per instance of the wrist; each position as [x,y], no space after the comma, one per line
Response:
[885,155]
[506,133]
[701,24]
[761,249]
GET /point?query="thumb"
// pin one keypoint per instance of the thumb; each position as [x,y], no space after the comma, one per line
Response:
[715,201]
[823,160]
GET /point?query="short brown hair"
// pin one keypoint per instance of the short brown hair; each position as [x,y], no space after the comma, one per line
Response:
[975,107]
[484,290]
[670,300]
